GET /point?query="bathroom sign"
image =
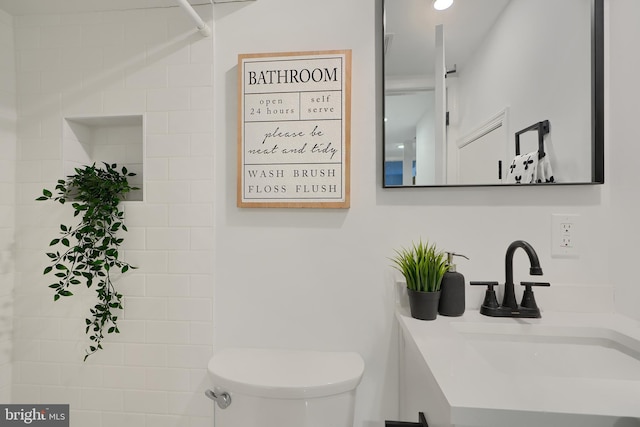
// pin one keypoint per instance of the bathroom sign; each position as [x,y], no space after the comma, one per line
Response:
[294,112]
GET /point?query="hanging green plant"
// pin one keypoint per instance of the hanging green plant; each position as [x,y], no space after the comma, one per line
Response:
[88,252]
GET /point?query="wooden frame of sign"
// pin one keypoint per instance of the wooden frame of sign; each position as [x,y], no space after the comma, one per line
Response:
[294,125]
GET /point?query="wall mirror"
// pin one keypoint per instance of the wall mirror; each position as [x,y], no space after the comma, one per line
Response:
[493,92]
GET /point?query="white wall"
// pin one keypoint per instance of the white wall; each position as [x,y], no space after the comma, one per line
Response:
[310,279]
[321,279]
[149,62]
[624,149]
[7,198]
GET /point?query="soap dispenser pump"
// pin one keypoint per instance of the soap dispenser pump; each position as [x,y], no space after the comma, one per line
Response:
[452,298]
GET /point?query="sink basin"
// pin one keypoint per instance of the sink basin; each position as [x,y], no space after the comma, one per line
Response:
[571,352]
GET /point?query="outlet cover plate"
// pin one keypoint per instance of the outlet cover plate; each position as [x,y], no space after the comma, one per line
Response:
[565,236]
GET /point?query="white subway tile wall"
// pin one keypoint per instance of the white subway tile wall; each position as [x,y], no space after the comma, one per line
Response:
[143,62]
[8,152]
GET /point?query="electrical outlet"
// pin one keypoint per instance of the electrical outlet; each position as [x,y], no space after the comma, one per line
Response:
[564,236]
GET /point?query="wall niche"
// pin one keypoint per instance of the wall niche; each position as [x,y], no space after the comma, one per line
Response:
[110,139]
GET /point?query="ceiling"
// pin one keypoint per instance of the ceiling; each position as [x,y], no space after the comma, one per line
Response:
[44,7]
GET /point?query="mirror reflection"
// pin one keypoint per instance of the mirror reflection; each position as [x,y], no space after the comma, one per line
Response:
[492,92]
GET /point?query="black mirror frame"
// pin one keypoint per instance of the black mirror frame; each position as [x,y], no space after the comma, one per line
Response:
[597,104]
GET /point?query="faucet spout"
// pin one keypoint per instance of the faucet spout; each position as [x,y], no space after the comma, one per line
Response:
[509,299]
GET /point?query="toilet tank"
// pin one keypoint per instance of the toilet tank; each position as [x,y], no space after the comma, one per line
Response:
[285,388]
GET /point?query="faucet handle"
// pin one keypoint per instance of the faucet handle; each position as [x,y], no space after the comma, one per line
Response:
[528,300]
[528,285]
[490,300]
[489,285]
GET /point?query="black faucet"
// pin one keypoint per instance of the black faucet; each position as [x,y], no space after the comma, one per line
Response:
[509,299]
[509,307]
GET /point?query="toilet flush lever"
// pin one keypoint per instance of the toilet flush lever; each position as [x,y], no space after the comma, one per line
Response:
[223,399]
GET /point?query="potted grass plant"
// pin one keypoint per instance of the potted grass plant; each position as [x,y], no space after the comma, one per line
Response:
[423,267]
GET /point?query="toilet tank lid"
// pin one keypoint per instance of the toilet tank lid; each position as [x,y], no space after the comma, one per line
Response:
[285,374]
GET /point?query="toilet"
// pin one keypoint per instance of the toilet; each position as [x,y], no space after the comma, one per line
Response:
[284,388]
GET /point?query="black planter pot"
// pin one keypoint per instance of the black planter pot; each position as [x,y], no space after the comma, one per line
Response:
[423,305]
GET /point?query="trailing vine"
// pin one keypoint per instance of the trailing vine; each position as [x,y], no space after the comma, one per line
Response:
[88,251]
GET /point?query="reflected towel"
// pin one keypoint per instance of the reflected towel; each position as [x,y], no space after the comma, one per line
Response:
[543,171]
[523,169]
[527,169]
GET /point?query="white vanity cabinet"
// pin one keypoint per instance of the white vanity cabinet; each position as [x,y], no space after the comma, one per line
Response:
[419,391]
[566,369]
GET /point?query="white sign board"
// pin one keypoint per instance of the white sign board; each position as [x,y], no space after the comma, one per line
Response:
[294,125]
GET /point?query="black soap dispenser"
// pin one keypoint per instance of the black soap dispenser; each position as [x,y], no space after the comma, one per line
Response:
[452,298]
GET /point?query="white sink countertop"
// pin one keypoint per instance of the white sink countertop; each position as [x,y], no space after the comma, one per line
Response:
[565,363]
